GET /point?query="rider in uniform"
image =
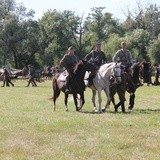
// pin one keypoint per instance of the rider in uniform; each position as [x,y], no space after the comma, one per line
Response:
[124,56]
[96,57]
[69,61]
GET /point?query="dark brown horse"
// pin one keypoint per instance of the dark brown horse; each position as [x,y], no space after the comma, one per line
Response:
[130,82]
[77,85]
[146,73]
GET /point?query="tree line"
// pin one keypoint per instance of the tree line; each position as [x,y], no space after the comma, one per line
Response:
[43,42]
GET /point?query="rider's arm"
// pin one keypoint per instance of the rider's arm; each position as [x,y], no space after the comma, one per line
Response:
[116,56]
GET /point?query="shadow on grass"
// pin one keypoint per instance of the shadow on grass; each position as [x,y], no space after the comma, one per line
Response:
[147,111]
[112,112]
[134,111]
[88,112]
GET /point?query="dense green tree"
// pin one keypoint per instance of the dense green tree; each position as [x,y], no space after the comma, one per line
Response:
[112,45]
[15,26]
[152,20]
[99,26]
[145,18]
[137,42]
[154,51]
[44,42]
[58,32]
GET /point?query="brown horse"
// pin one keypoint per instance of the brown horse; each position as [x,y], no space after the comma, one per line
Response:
[130,82]
[77,85]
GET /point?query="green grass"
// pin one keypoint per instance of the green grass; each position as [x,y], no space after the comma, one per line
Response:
[30,130]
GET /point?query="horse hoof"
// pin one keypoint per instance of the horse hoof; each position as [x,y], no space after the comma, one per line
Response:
[78,108]
[130,107]
[116,108]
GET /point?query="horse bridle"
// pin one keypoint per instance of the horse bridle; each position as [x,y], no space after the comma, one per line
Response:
[115,75]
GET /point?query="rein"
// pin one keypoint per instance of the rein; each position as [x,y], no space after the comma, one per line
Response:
[115,71]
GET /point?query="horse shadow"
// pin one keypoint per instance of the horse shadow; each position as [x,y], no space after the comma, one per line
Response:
[106,112]
[88,112]
[147,111]
[136,111]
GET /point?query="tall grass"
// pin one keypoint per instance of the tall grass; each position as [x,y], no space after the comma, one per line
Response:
[30,130]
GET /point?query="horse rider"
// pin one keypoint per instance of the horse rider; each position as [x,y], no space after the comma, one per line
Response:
[124,56]
[6,78]
[68,62]
[96,57]
[31,74]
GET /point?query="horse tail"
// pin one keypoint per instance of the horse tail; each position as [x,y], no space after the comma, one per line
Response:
[56,90]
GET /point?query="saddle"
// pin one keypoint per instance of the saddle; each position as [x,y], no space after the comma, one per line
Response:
[63,75]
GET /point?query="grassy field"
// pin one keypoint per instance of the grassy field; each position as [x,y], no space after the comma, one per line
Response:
[30,130]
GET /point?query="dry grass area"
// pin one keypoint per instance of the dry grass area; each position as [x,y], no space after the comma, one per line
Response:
[30,130]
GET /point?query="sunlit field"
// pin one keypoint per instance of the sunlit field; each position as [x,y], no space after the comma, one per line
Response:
[30,130]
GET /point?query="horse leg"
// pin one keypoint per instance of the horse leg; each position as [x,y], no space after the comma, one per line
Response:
[82,98]
[55,96]
[123,107]
[131,101]
[107,92]
[121,94]
[112,99]
[82,101]
[93,100]
[75,101]
[66,101]
[117,105]
[122,100]
[100,101]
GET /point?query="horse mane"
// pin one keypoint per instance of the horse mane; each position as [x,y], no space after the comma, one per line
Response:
[106,65]
[77,67]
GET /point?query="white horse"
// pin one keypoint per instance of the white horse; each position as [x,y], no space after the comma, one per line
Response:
[102,81]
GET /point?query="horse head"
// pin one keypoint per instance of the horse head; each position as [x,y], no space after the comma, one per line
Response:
[117,72]
[83,65]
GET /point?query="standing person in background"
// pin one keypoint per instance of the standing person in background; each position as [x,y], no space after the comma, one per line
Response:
[97,57]
[31,74]
[6,78]
[69,61]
